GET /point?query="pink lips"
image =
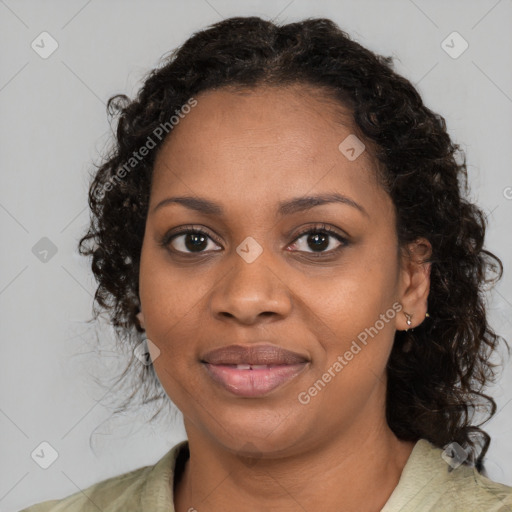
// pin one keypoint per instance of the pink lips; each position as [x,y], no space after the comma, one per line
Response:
[253,382]
[255,370]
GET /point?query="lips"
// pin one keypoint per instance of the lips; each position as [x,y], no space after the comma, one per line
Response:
[253,355]
[252,371]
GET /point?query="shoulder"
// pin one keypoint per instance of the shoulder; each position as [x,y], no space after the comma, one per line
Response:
[105,495]
[432,480]
[477,492]
[98,496]
[145,488]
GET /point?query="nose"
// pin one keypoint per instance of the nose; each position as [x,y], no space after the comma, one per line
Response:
[250,293]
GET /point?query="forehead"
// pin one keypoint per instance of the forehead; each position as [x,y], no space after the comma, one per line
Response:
[260,143]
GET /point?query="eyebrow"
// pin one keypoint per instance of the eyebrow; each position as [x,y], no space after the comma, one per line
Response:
[289,207]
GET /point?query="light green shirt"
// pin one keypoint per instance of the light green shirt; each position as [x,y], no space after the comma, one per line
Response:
[426,484]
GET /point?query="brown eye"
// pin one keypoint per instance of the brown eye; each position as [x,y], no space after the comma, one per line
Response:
[319,240]
[191,241]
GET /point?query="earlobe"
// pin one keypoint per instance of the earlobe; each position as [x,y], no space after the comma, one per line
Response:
[140,318]
[414,297]
[409,320]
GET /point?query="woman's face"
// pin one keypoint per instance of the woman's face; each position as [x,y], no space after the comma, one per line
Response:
[249,165]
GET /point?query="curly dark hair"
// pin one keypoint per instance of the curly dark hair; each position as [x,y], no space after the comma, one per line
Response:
[438,371]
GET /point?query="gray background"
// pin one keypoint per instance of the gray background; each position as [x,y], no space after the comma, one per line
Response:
[53,126]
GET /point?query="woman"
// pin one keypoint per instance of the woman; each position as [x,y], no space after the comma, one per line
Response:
[282,221]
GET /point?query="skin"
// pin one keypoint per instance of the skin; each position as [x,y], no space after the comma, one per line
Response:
[248,152]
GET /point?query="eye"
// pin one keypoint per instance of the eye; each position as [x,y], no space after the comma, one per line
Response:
[320,239]
[189,240]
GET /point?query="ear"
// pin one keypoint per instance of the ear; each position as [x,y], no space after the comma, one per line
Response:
[415,283]
[140,317]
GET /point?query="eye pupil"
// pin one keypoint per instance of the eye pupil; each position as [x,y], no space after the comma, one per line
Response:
[319,241]
[194,241]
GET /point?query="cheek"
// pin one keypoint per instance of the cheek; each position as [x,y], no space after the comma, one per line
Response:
[356,337]
[170,297]
[356,315]
[172,301]
[357,331]
[356,294]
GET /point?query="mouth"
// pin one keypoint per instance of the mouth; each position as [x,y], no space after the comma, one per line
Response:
[253,380]
[253,371]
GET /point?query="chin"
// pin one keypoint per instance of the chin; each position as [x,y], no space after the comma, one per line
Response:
[255,434]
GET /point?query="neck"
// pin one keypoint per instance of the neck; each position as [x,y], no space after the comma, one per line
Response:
[352,473]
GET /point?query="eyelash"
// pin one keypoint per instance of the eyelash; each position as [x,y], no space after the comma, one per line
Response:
[319,229]
[322,229]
